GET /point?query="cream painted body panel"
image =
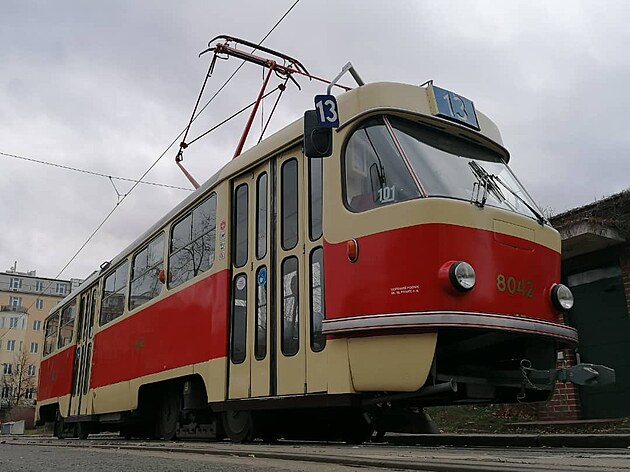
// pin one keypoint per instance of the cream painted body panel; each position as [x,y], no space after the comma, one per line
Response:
[64,404]
[338,367]
[397,363]
[214,377]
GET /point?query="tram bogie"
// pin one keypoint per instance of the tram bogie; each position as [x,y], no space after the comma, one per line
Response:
[322,298]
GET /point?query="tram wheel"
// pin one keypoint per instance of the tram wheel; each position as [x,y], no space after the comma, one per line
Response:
[169,414]
[82,430]
[59,427]
[358,429]
[238,426]
[378,435]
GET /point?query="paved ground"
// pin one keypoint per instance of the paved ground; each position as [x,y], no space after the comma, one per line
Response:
[130,456]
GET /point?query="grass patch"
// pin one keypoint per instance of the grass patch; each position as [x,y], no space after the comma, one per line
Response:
[499,419]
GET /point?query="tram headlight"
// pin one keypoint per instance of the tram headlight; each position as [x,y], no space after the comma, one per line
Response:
[562,297]
[462,276]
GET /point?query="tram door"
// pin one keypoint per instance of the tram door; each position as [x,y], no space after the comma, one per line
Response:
[80,400]
[269,326]
[250,358]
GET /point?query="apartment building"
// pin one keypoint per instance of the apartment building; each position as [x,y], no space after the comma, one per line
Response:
[25,300]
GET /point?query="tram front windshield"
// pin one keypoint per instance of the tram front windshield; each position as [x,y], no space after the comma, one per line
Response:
[441,164]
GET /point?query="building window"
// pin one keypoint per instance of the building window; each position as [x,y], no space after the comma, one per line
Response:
[114,293]
[13,322]
[16,283]
[39,286]
[289,205]
[61,288]
[34,348]
[39,304]
[6,392]
[290,341]
[31,370]
[29,393]
[37,325]
[191,249]
[11,345]
[145,273]
[8,369]
[15,302]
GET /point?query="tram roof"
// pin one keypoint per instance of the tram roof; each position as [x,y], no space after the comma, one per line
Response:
[352,105]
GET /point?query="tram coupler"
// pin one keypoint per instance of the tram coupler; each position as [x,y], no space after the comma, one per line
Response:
[592,375]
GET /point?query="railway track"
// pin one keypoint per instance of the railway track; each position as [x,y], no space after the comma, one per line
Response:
[371,456]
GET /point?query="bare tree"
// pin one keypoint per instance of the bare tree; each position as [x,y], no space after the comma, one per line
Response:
[18,381]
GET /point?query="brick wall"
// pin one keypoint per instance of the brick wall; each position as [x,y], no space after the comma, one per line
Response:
[565,403]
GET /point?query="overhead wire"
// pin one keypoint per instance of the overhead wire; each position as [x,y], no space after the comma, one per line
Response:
[90,172]
[140,180]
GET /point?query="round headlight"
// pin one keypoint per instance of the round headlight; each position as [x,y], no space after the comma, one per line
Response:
[462,276]
[561,297]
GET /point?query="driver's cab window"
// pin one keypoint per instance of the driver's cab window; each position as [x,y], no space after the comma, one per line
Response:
[375,172]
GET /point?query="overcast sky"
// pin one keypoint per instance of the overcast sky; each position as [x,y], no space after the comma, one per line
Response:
[106,86]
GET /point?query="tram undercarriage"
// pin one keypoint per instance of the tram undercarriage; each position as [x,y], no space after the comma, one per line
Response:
[469,366]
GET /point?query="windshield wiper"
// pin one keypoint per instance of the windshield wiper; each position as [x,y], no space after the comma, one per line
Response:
[484,185]
[489,184]
[539,217]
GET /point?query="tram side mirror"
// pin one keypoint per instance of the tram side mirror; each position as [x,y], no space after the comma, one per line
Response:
[317,139]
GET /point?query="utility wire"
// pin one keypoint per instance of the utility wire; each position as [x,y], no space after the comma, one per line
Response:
[160,157]
[90,172]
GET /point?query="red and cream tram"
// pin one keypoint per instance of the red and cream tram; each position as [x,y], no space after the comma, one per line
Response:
[291,296]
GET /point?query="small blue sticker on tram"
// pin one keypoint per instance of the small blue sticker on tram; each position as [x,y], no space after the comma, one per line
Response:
[262,276]
[455,107]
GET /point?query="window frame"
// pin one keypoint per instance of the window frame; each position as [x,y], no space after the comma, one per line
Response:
[284,346]
[72,308]
[283,220]
[236,230]
[262,230]
[233,320]
[157,265]
[344,158]
[260,332]
[53,346]
[123,290]
[189,213]
[311,204]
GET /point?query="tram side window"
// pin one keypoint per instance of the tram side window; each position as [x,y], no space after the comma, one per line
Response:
[260,343]
[113,300]
[191,250]
[318,340]
[239,319]
[50,333]
[375,172]
[145,273]
[315,194]
[289,206]
[68,315]
[290,336]
[261,216]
